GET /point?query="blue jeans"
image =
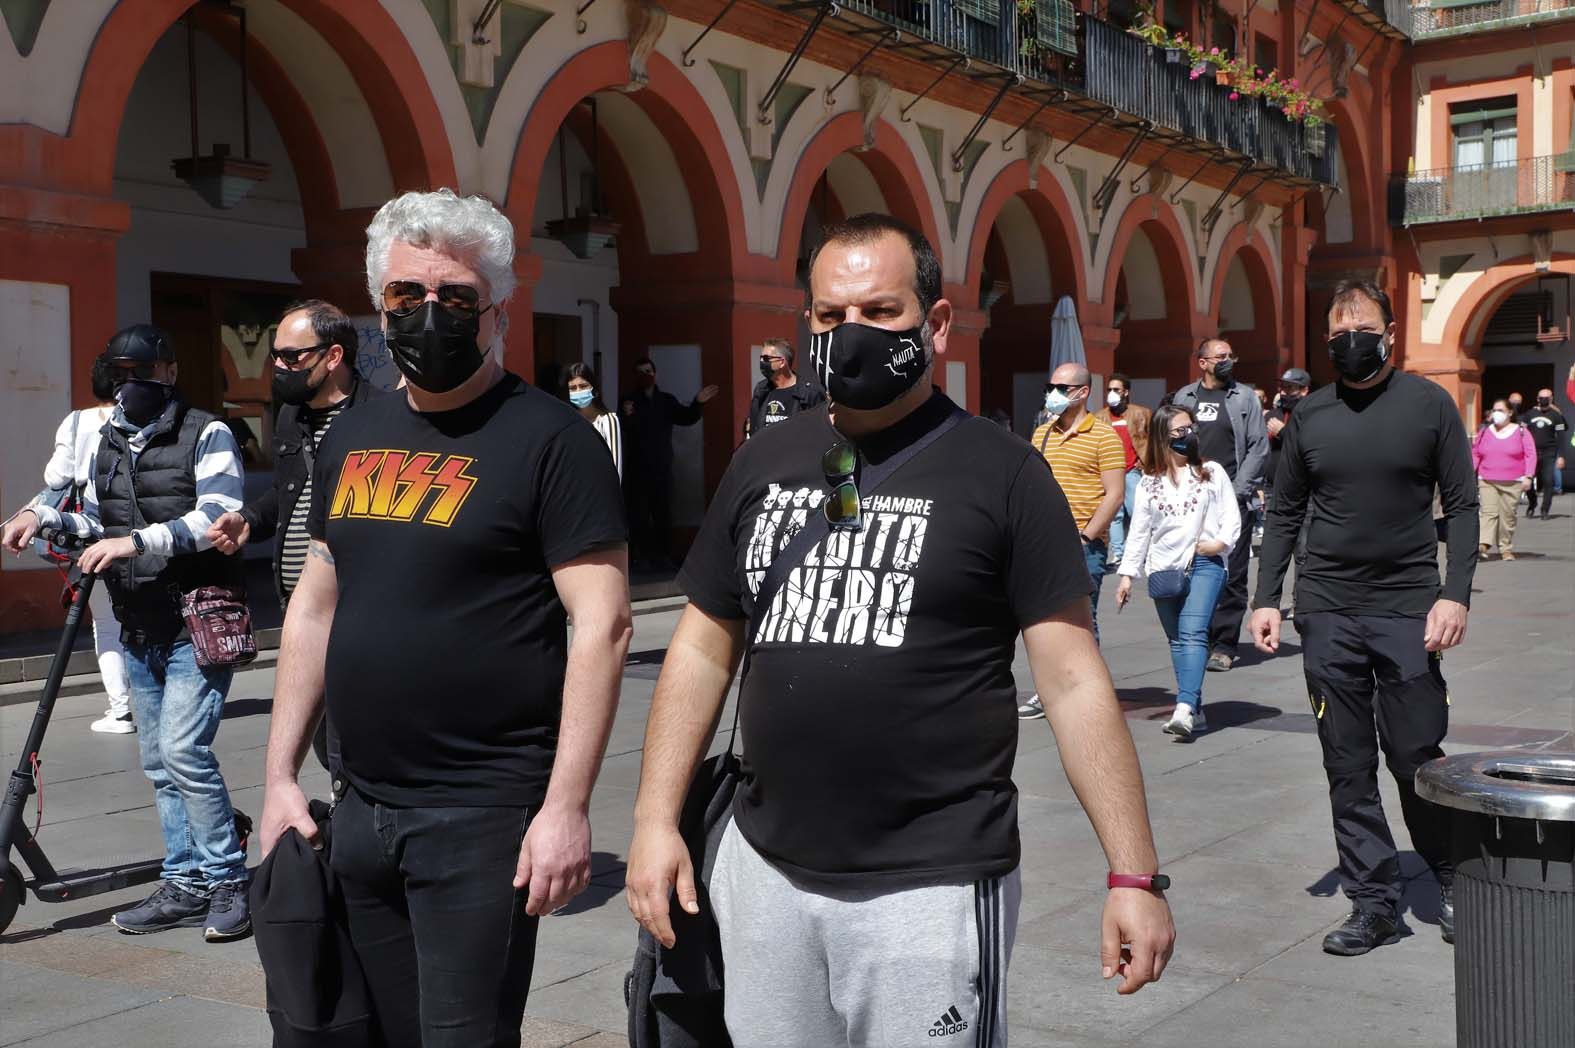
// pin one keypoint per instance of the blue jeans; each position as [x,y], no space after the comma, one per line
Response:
[1118,527]
[1186,621]
[1095,556]
[178,705]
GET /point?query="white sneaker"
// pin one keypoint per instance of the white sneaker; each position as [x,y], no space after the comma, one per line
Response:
[110,724]
[1180,724]
[1031,708]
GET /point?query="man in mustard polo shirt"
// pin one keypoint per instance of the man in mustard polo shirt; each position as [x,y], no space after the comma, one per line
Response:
[1089,463]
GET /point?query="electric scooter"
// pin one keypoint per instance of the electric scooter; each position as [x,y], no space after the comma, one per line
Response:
[48,884]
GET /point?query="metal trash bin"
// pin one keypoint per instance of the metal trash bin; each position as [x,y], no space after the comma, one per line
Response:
[1514,852]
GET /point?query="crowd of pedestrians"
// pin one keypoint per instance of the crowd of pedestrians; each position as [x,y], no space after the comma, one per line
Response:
[873,558]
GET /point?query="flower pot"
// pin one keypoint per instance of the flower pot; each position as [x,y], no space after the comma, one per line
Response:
[1222,77]
[1200,68]
[1172,56]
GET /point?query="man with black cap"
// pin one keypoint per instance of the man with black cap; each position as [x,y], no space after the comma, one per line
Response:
[1360,465]
[164,473]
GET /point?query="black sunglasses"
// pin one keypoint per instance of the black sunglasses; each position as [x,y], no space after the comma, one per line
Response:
[1064,387]
[404,297]
[119,373]
[292,357]
[840,463]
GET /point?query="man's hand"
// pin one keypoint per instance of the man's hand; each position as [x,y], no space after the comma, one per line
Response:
[1274,426]
[555,859]
[1446,626]
[1136,937]
[105,552]
[1124,591]
[628,409]
[230,532]
[659,863]
[706,395]
[1525,483]
[1264,629]
[19,532]
[284,806]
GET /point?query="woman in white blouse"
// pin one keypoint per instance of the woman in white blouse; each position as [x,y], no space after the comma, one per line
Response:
[1185,519]
[71,465]
[585,393]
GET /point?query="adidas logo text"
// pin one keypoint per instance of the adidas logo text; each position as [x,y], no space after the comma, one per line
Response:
[950,1022]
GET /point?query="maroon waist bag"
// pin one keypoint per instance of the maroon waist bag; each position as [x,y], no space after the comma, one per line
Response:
[220,625]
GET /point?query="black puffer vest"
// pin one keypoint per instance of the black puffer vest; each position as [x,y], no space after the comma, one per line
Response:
[159,487]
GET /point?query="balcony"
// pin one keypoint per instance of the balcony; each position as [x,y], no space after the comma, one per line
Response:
[1134,77]
[1477,191]
[1435,19]
[1062,59]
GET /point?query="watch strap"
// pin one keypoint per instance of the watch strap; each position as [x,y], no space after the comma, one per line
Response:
[1155,882]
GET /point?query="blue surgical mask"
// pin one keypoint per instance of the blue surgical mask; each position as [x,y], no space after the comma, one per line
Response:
[1057,402]
[581,398]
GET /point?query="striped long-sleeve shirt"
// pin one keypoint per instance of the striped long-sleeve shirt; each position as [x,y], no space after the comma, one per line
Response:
[220,484]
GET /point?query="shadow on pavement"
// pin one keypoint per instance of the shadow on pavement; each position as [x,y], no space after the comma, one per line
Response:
[603,886]
[246,708]
[1249,655]
[1234,713]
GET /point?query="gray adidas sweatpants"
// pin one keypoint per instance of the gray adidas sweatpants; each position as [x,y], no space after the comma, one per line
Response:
[863,969]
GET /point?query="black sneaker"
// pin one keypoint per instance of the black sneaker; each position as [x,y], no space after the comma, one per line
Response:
[1362,931]
[229,915]
[168,907]
[1446,913]
[1031,708]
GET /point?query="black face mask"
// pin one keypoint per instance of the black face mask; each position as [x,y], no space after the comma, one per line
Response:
[765,368]
[1225,370]
[434,349]
[1358,355]
[1288,401]
[1544,402]
[865,367]
[142,400]
[296,387]
[1187,445]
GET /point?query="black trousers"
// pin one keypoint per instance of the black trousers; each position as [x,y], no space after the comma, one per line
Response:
[1225,627]
[440,930]
[1367,671]
[1542,483]
[648,498]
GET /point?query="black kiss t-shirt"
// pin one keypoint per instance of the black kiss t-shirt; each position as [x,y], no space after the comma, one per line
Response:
[879,719]
[446,657]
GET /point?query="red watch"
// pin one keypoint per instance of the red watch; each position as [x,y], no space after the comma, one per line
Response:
[1154,882]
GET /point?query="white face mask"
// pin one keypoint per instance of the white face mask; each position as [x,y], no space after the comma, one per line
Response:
[1500,417]
[1113,399]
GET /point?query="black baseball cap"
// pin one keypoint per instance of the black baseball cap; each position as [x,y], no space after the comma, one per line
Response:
[1296,377]
[139,344]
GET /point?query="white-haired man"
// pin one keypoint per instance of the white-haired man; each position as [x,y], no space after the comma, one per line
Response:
[454,529]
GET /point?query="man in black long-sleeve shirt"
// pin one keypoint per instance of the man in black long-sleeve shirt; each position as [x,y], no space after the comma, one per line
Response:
[1548,428]
[649,415]
[1361,465]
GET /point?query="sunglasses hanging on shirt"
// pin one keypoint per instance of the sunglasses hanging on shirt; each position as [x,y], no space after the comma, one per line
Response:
[840,463]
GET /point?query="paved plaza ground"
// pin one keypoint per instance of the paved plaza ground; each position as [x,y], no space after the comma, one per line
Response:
[1240,815]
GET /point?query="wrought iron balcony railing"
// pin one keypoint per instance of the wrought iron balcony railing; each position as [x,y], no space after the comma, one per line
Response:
[1435,18]
[1081,64]
[1446,194]
[1135,77]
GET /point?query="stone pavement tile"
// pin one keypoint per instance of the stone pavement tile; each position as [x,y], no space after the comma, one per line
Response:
[548,1033]
[37,1001]
[594,999]
[1061,992]
[1266,889]
[76,954]
[1420,968]
[171,1022]
[1264,1013]
[1028,1037]
[602,1040]
[1208,938]
[237,982]
[1301,841]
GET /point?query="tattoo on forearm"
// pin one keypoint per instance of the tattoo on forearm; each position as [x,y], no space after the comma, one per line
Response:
[320,551]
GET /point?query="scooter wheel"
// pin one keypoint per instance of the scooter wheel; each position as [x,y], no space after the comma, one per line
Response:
[10,894]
